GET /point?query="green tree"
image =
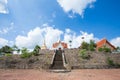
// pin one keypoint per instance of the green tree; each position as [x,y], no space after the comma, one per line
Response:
[36,50]
[24,50]
[118,48]
[15,48]
[92,45]
[25,53]
[84,45]
[6,49]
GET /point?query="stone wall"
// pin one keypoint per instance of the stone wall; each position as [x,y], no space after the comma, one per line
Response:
[43,61]
[97,59]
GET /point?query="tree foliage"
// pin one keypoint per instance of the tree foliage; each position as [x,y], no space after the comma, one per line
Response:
[88,46]
[36,50]
[6,49]
[84,45]
[70,41]
[25,53]
[92,45]
[118,48]
[15,48]
[104,49]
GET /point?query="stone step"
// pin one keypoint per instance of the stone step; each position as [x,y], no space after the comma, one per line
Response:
[58,63]
[58,59]
[58,67]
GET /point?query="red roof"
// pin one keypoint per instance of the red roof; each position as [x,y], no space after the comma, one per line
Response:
[103,42]
[62,43]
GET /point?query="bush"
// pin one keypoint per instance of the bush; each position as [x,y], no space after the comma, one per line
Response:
[91,48]
[110,62]
[35,53]
[84,55]
[25,55]
[100,49]
[105,49]
[8,54]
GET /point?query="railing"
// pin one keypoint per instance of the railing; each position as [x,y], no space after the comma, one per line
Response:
[64,60]
[53,57]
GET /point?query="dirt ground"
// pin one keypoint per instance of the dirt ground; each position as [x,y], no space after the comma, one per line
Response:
[81,74]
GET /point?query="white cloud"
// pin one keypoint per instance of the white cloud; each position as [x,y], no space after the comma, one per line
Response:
[51,35]
[4,1]
[76,6]
[33,37]
[68,30]
[37,35]
[77,39]
[7,29]
[116,41]
[3,42]
[3,7]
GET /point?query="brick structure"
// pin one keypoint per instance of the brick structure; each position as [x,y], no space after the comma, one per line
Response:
[104,43]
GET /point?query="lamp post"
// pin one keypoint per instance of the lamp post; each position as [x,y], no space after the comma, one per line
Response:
[70,41]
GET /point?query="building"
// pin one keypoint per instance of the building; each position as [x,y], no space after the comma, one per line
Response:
[59,44]
[104,43]
[44,46]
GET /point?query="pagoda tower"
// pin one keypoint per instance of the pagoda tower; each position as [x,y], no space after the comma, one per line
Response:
[44,45]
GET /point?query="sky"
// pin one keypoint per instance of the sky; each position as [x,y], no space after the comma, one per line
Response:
[26,23]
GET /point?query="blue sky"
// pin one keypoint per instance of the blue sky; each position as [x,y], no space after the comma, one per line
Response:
[28,22]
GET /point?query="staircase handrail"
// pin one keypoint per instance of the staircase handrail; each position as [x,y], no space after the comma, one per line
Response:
[53,57]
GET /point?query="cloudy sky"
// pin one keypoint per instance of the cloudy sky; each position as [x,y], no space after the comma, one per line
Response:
[26,23]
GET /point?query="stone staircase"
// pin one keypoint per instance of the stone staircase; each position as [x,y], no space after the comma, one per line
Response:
[57,61]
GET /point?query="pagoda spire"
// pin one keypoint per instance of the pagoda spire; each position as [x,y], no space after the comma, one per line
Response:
[44,45]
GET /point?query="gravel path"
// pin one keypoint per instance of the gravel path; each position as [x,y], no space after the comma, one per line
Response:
[81,74]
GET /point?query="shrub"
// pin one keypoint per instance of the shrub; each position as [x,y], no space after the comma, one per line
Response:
[35,53]
[100,49]
[110,62]
[25,55]
[107,49]
[91,48]
[8,54]
[84,55]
